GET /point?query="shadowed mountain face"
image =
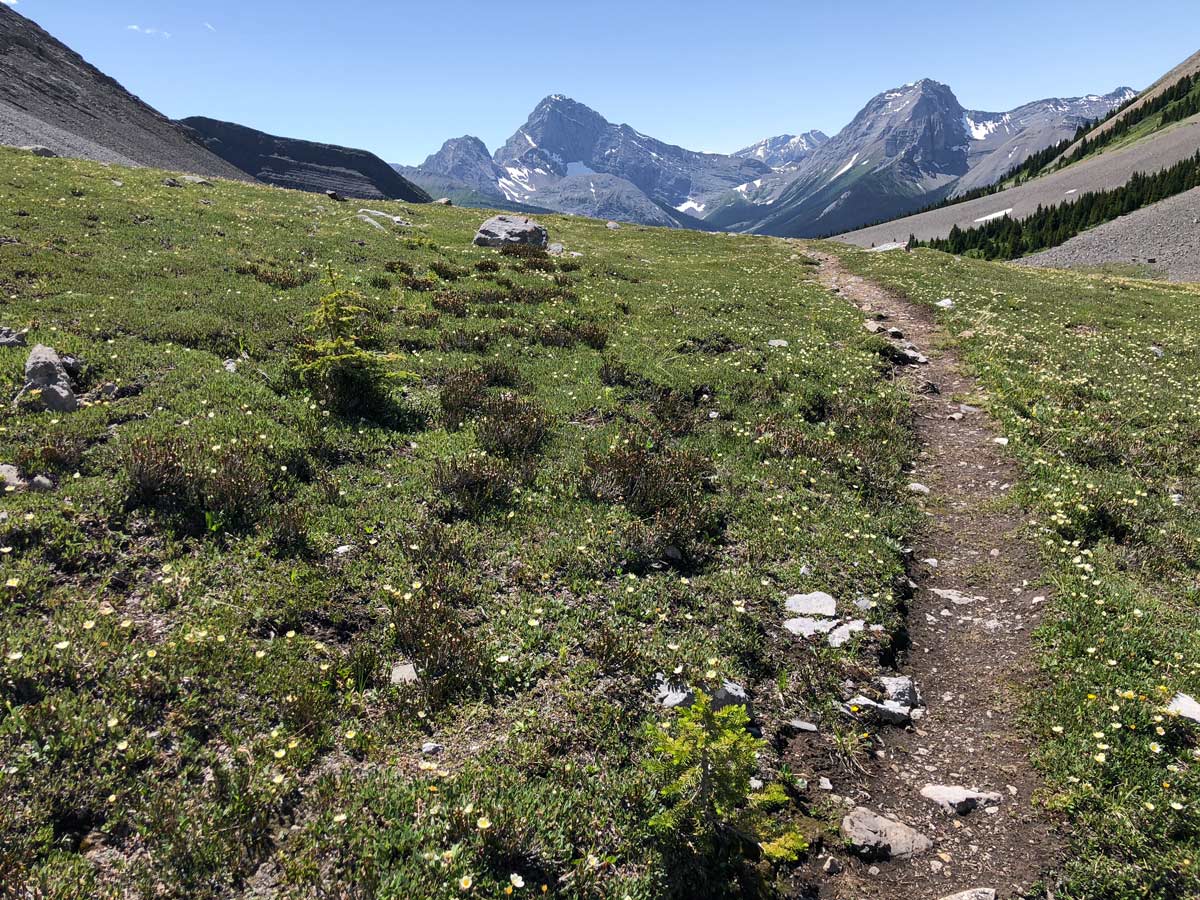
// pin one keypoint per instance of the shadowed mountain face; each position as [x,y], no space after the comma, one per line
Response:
[304,165]
[50,96]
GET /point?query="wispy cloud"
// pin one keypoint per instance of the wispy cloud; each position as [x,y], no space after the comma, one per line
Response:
[152,32]
[209,26]
[9,2]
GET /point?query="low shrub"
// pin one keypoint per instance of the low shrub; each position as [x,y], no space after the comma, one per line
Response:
[278,275]
[472,486]
[511,427]
[450,302]
[447,271]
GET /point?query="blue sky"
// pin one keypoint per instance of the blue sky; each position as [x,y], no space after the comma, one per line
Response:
[398,77]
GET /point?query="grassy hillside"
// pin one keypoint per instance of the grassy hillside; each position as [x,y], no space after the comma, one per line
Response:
[1095,380]
[538,483]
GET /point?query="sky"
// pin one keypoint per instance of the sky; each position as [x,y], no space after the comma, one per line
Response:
[397,77]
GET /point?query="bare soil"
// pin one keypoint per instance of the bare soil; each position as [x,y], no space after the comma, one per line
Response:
[970,660]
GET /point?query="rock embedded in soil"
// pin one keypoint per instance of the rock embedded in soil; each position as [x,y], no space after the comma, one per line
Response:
[501,230]
[877,837]
[973,894]
[11,479]
[47,384]
[889,712]
[901,689]
[818,603]
[404,673]
[807,626]
[842,633]
[953,799]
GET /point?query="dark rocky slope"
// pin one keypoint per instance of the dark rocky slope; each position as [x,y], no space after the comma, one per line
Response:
[50,96]
[304,165]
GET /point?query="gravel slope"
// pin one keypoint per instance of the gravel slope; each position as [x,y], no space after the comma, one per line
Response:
[1103,172]
[50,95]
[1167,232]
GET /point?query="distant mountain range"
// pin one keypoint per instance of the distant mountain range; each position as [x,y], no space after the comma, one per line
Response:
[908,147]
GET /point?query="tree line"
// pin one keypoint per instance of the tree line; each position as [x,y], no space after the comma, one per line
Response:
[1009,238]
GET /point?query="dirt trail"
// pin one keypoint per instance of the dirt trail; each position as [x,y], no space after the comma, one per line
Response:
[968,650]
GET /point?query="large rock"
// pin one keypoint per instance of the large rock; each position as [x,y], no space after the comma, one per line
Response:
[47,384]
[818,603]
[500,230]
[877,837]
[953,799]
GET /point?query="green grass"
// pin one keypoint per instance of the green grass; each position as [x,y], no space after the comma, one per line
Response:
[1108,436]
[196,686]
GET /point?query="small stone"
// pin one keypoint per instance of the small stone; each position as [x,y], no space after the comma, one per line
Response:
[889,712]
[756,784]
[431,748]
[877,837]
[344,550]
[1186,706]
[901,689]
[334,195]
[670,694]
[973,894]
[11,480]
[365,218]
[197,180]
[831,866]
[947,303]
[777,342]
[1157,351]
[824,783]
[47,382]
[1002,441]
[818,603]
[806,626]
[613,226]
[799,725]
[230,366]
[555,249]
[171,183]
[958,598]
[730,693]
[953,799]
[39,150]
[40,484]
[10,338]
[444,201]
[842,633]
[917,488]
[404,673]
[506,229]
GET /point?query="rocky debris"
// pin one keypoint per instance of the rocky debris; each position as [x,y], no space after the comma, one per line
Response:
[444,201]
[39,150]
[947,303]
[877,837]
[376,214]
[1186,706]
[613,226]
[199,180]
[12,480]
[505,229]
[818,603]
[404,673]
[901,689]
[953,799]
[777,342]
[10,338]
[889,712]
[172,183]
[47,382]
[335,196]
[973,894]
